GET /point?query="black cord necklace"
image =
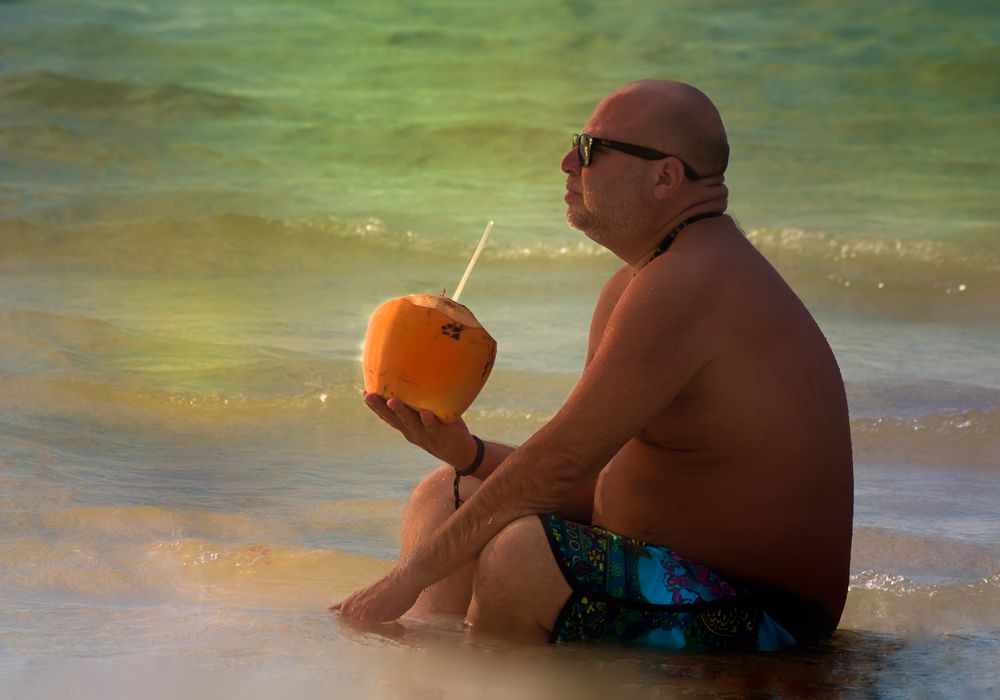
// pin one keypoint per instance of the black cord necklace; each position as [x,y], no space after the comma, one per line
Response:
[669,238]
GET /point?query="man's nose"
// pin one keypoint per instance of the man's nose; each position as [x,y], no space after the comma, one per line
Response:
[571,162]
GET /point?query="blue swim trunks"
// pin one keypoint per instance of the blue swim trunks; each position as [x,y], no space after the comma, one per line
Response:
[629,591]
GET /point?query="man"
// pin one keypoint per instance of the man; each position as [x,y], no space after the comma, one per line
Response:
[707,441]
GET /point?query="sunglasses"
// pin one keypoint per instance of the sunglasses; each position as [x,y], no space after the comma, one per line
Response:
[584,144]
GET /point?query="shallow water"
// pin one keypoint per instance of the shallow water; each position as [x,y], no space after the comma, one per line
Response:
[201,205]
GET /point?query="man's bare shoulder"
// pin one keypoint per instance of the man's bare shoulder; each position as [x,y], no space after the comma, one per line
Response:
[686,284]
[715,270]
[699,254]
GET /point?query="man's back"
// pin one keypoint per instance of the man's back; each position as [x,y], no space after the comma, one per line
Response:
[748,469]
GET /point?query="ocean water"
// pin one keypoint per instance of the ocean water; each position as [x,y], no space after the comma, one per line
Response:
[201,204]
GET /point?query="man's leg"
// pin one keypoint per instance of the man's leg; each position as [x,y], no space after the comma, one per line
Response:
[430,504]
[518,587]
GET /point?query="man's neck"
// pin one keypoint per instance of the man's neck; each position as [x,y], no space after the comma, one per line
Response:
[702,197]
[663,235]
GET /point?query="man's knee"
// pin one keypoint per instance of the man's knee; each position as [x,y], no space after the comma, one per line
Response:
[432,484]
[432,502]
[438,488]
[517,576]
[503,555]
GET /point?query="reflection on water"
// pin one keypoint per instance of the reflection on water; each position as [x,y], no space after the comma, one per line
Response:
[251,622]
[849,664]
[435,659]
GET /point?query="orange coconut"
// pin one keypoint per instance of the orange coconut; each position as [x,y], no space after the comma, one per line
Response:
[428,351]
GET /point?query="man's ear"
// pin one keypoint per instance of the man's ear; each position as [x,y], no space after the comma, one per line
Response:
[669,178]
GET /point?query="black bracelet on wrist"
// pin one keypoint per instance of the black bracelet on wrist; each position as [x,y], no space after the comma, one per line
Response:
[476,463]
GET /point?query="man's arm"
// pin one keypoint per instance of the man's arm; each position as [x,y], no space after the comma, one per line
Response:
[611,292]
[452,443]
[653,344]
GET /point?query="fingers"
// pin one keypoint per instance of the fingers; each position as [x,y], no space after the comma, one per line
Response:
[429,420]
[339,607]
[378,406]
[422,427]
[351,609]
[407,417]
[437,428]
[398,415]
[434,424]
[391,410]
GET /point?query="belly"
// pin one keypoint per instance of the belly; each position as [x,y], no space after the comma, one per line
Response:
[726,515]
[750,521]
[636,495]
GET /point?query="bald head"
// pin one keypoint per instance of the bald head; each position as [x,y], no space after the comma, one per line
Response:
[676,118]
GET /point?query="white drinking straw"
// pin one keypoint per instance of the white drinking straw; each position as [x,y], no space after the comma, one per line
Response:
[472,263]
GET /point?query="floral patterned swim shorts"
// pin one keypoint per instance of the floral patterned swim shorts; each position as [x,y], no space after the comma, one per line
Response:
[625,590]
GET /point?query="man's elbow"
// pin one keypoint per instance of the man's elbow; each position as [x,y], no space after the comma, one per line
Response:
[554,476]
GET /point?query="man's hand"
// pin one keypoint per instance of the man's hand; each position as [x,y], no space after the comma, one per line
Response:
[449,442]
[383,601]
